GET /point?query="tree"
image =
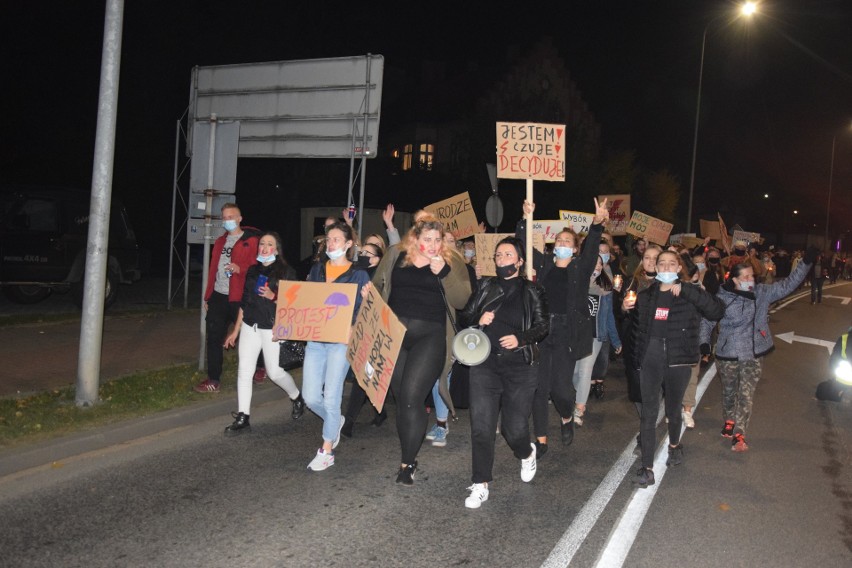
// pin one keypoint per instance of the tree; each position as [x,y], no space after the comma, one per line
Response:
[663,192]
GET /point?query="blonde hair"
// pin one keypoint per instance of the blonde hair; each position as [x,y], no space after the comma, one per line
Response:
[409,244]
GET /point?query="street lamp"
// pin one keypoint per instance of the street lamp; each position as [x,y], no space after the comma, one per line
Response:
[830,179]
[747,9]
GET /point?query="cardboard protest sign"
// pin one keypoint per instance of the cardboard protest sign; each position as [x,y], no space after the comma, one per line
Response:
[577,220]
[457,215]
[374,347]
[710,229]
[486,244]
[314,311]
[549,228]
[746,236]
[653,229]
[528,150]
[691,242]
[619,213]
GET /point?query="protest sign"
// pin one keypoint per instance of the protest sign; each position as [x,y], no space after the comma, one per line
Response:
[653,229]
[549,228]
[531,151]
[710,229]
[486,244]
[457,215]
[314,311]
[619,213]
[576,220]
[746,236]
[374,347]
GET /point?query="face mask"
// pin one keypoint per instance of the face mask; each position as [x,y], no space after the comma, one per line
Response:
[746,286]
[605,258]
[713,260]
[739,252]
[335,254]
[264,259]
[468,253]
[230,225]
[666,277]
[506,271]
[363,262]
[563,252]
[701,265]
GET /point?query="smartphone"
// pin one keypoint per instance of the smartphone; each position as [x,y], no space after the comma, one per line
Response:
[261,282]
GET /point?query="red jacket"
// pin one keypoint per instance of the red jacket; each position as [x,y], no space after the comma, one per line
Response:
[244,254]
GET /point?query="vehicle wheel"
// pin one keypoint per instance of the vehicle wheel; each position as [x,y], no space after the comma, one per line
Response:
[26,294]
[111,293]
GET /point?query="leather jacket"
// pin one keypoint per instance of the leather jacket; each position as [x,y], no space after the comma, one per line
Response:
[536,323]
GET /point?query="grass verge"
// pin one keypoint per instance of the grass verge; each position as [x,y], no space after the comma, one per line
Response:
[54,413]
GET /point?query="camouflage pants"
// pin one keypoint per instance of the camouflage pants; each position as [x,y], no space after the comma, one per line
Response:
[739,381]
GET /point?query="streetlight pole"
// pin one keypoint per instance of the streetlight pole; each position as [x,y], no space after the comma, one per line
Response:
[830,180]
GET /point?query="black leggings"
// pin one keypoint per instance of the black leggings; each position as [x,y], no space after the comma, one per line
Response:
[555,377]
[421,359]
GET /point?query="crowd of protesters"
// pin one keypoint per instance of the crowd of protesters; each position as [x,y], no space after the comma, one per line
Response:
[667,310]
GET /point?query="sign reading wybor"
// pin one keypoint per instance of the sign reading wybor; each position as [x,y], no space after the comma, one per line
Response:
[578,221]
[531,151]
[457,215]
[314,311]
[653,229]
[374,347]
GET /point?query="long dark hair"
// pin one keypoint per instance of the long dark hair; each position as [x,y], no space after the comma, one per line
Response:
[603,280]
[279,269]
[519,251]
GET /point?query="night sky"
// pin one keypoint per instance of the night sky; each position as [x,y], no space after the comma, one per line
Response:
[776,89]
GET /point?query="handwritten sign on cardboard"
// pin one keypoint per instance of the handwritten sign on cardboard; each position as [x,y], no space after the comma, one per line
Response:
[374,347]
[314,311]
[528,150]
[548,229]
[619,213]
[710,229]
[746,236]
[457,215]
[577,220]
[653,229]
[486,244]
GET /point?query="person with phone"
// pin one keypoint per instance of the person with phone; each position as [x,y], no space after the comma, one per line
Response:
[254,329]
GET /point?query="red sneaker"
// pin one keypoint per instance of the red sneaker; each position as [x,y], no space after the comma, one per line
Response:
[728,429]
[739,443]
[207,386]
[259,376]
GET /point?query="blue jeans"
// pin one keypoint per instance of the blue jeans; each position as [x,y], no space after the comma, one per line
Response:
[323,374]
[442,412]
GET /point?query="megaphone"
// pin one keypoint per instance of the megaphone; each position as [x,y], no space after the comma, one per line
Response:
[471,347]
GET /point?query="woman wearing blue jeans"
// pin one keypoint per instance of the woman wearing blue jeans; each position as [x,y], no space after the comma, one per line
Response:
[325,366]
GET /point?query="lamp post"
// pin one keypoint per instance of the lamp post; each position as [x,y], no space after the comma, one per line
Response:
[748,9]
[830,180]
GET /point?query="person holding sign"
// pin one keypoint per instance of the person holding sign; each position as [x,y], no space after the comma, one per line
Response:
[565,277]
[254,328]
[666,324]
[325,366]
[514,315]
[422,281]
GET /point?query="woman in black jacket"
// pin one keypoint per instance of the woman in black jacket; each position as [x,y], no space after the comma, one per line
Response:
[666,325]
[513,313]
[254,322]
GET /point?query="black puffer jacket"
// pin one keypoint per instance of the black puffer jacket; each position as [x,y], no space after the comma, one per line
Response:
[682,326]
[536,315]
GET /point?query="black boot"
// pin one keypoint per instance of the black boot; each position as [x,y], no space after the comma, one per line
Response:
[240,425]
[298,407]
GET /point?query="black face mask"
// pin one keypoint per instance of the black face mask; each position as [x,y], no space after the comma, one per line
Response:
[651,274]
[713,260]
[739,252]
[506,271]
[363,262]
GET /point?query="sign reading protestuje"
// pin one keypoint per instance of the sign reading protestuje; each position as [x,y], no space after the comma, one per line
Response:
[527,150]
[314,311]
[653,229]
[374,347]
[457,215]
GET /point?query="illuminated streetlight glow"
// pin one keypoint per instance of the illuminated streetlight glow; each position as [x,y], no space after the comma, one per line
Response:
[766,196]
[795,211]
[748,9]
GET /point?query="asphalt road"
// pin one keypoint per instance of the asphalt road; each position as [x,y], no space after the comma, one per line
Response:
[182,494]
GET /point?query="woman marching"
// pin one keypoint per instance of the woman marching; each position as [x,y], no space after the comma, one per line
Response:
[325,366]
[744,339]
[254,328]
[666,325]
[423,282]
[513,312]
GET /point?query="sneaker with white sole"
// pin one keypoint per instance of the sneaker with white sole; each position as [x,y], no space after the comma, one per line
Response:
[688,420]
[578,416]
[440,439]
[528,466]
[321,461]
[478,495]
[432,433]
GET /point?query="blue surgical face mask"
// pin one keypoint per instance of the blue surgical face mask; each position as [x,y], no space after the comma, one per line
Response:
[230,225]
[264,259]
[335,254]
[666,277]
[745,286]
[605,257]
[563,252]
[469,253]
[701,265]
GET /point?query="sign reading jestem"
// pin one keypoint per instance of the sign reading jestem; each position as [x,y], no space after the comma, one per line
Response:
[374,347]
[527,150]
[314,311]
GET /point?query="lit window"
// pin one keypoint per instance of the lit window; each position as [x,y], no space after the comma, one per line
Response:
[427,152]
[407,150]
[395,153]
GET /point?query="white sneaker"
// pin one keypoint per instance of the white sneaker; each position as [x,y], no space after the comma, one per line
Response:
[321,461]
[578,417]
[528,467]
[339,430]
[688,420]
[478,495]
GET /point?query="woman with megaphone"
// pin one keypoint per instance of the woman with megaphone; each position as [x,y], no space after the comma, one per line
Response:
[513,313]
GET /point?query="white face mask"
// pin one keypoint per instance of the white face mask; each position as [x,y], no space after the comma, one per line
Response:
[335,254]
[745,286]
[468,253]
[666,277]
[563,252]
